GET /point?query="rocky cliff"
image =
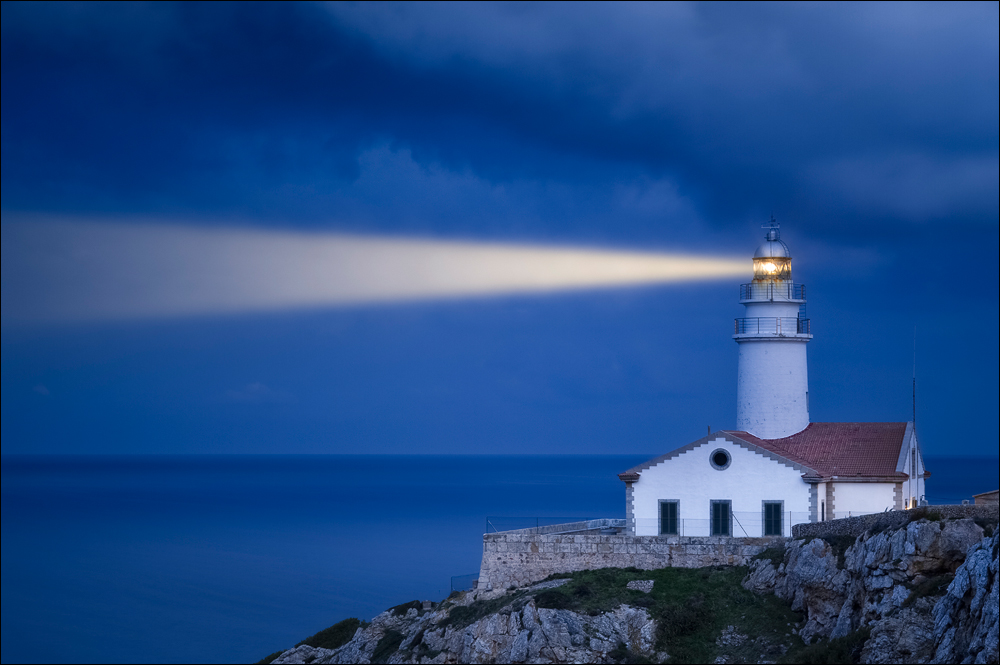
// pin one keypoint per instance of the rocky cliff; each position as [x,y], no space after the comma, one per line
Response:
[925,592]
[518,633]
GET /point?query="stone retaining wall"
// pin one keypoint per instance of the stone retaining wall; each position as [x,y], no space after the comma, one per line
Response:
[517,558]
[855,526]
[526,556]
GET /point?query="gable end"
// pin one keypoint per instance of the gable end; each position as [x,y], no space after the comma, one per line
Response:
[632,475]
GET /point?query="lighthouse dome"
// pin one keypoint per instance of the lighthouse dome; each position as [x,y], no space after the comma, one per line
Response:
[772,247]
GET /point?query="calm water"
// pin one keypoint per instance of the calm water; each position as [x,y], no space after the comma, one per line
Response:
[227,559]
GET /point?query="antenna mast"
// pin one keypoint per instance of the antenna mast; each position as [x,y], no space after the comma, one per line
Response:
[914,376]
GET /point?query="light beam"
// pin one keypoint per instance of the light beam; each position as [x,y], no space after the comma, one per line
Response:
[59,271]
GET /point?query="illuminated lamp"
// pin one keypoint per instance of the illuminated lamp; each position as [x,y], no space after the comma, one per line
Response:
[772,260]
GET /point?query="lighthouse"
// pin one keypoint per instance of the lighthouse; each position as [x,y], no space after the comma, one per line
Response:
[776,469]
[772,389]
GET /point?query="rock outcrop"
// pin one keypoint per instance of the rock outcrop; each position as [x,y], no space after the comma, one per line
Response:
[966,621]
[516,633]
[893,583]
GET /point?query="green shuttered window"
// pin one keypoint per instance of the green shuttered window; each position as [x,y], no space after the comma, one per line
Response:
[668,518]
[721,518]
[772,518]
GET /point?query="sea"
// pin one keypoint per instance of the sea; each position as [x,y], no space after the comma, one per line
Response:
[230,558]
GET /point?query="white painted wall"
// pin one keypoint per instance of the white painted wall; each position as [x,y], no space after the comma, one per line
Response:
[862,498]
[772,387]
[772,308]
[692,480]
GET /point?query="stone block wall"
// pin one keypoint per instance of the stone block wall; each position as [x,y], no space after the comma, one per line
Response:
[526,556]
[855,526]
[518,558]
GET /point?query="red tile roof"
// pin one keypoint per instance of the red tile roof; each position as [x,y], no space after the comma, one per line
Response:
[840,449]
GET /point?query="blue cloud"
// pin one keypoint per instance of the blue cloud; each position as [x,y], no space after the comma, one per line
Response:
[870,130]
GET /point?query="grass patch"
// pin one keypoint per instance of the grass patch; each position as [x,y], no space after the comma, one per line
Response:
[845,649]
[461,616]
[558,576]
[401,610]
[388,645]
[419,650]
[923,513]
[335,636]
[776,555]
[692,606]
[933,586]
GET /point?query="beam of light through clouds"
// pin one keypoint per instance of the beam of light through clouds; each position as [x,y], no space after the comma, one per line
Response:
[66,271]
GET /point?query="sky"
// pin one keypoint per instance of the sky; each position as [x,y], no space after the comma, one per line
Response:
[149,149]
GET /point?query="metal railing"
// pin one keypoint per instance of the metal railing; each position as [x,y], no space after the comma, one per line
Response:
[464,582]
[772,291]
[773,325]
[741,525]
[498,523]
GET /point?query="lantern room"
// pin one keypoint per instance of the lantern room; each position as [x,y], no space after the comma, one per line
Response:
[772,261]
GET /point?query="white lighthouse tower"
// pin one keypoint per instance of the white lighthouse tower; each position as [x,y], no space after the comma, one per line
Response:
[772,391]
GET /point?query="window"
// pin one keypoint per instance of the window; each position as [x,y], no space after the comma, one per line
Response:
[719,459]
[913,463]
[721,518]
[772,518]
[668,518]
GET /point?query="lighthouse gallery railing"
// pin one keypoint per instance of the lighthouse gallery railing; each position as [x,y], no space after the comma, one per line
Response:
[772,325]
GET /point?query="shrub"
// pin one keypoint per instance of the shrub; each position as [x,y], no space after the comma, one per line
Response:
[553,599]
[680,619]
[401,610]
[388,645]
[776,555]
[933,586]
[987,524]
[461,616]
[645,601]
[335,636]
[621,654]
[845,649]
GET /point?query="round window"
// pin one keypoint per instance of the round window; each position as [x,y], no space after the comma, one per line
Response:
[720,459]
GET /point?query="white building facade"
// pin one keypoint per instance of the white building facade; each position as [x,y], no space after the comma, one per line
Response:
[777,469]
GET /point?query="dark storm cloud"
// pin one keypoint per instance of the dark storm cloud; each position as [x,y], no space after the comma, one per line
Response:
[876,111]
[869,130]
